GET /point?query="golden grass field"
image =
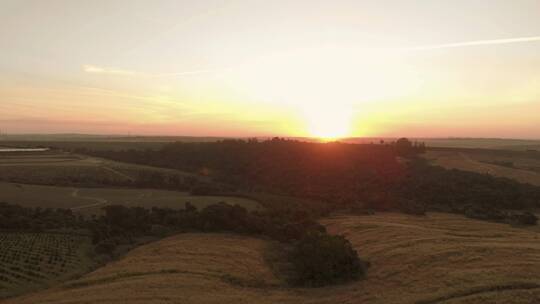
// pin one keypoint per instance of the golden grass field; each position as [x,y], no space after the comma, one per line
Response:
[483,143]
[440,258]
[525,170]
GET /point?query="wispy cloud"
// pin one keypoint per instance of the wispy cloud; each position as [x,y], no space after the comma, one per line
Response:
[183,73]
[122,72]
[107,70]
[472,43]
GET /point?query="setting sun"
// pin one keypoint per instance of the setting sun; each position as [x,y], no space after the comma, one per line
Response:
[328,123]
[271,151]
[254,69]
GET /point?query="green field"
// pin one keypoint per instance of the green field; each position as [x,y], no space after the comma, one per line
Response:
[32,260]
[61,168]
[91,200]
[55,179]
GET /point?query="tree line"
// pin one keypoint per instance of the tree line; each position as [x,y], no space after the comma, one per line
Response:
[360,177]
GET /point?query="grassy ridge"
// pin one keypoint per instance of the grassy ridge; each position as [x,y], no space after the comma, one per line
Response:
[440,258]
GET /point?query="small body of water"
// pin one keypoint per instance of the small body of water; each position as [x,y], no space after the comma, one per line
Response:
[23,149]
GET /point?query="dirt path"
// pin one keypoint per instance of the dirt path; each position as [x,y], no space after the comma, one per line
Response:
[99,201]
[131,179]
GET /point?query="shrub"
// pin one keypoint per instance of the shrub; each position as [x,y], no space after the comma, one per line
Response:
[159,230]
[322,259]
[485,213]
[411,207]
[105,247]
[525,218]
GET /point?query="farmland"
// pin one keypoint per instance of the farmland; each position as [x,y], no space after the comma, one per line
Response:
[414,259]
[90,200]
[33,260]
[483,143]
[521,166]
[439,258]
[55,179]
[63,168]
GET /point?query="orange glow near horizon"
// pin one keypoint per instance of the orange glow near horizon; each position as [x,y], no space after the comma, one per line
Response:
[293,69]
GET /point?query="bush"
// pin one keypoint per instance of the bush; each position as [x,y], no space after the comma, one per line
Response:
[322,259]
[160,230]
[525,218]
[411,207]
[105,247]
[485,213]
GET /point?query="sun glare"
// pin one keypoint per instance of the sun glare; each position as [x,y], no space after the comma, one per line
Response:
[328,123]
[324,86]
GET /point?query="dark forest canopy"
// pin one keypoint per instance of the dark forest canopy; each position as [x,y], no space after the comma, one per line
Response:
[280,166]
[370,176]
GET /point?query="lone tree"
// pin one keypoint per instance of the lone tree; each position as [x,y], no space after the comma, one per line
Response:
[322,259]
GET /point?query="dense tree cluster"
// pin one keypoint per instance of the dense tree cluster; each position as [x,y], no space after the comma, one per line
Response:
[337,172]
[480,196]
[15,217]
[374,177]
[323,258]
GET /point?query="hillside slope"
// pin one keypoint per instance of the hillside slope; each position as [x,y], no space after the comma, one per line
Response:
[440,258]
[485,163]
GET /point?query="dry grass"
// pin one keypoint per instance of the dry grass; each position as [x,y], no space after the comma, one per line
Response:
[483,143]
[440,258]
[525,170]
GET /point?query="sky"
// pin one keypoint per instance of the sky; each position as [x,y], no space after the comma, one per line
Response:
[417,68]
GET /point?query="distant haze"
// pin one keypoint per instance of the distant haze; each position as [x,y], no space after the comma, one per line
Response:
[328,69]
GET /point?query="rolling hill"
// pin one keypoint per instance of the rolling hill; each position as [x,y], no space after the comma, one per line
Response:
[439,258]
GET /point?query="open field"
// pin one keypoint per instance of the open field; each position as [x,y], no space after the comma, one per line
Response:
[22,170]
[56,167]
[439,258]
[521,166]
[97,142]
[484,143]
[34,260]
[91,200]
[466,143]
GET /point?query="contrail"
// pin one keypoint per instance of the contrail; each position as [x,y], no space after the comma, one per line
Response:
[182,73]
[471,43]
[121,72]
[107,70]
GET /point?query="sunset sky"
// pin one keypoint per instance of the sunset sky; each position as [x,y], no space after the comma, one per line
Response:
[261,68]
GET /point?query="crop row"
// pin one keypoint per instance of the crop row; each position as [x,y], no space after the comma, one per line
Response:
[32,258]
